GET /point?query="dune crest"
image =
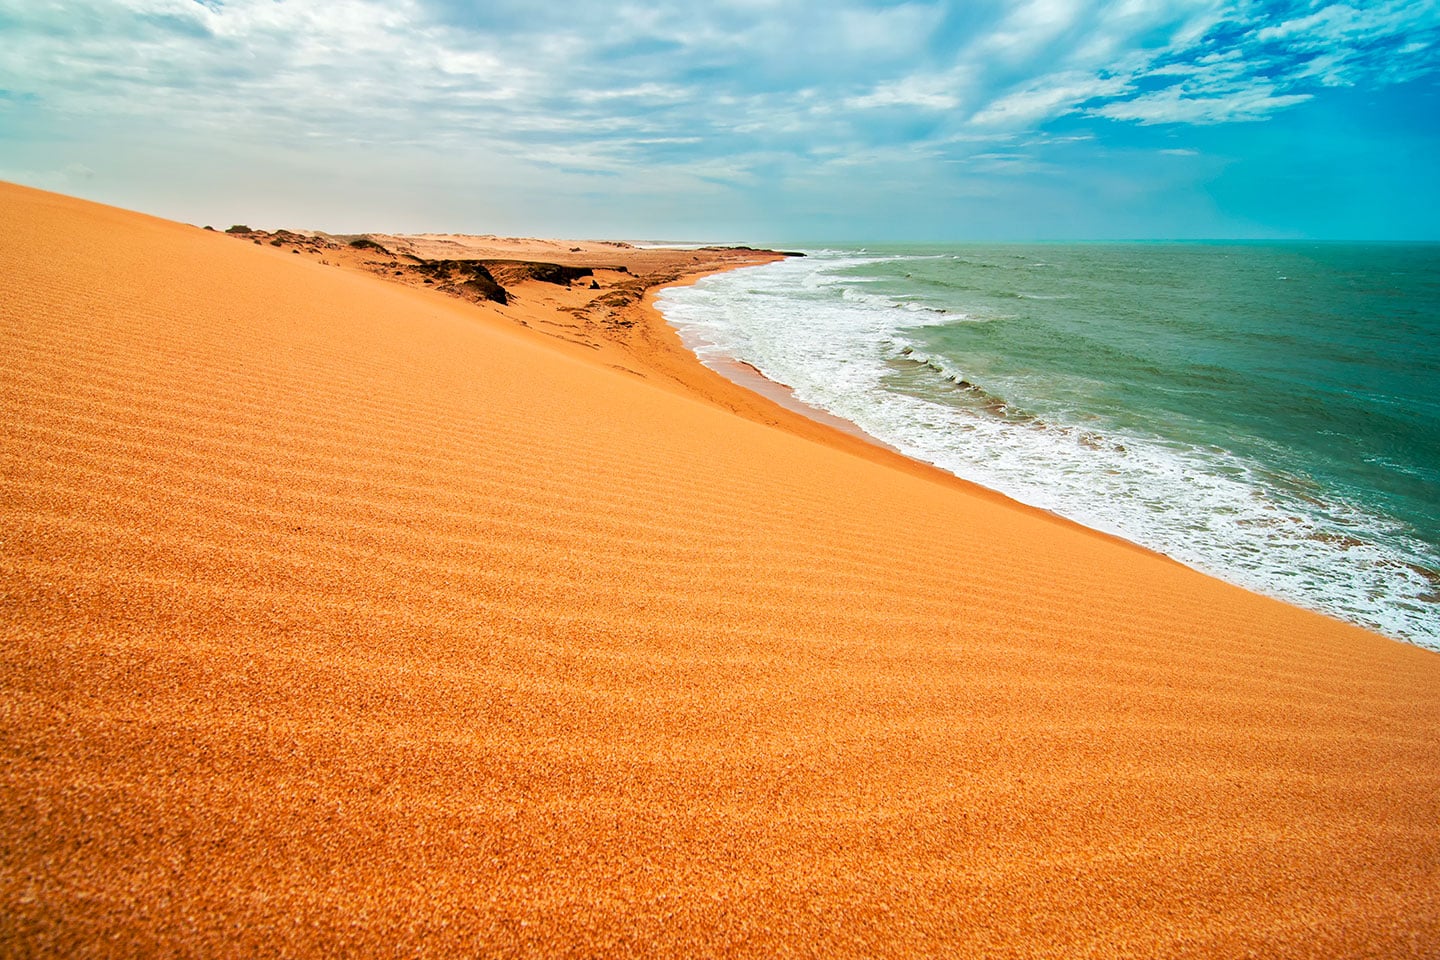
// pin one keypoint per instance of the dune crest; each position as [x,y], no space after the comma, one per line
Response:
[341,617]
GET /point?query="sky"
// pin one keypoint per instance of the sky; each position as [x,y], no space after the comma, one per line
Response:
[737,120]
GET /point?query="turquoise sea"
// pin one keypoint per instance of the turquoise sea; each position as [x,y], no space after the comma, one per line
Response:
[1266,412]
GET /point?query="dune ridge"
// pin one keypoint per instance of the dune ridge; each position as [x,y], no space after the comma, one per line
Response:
[343,618]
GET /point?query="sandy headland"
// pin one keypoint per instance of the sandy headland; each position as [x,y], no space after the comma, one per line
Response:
[346,614]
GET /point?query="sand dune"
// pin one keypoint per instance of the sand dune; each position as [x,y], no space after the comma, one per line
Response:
[343,618]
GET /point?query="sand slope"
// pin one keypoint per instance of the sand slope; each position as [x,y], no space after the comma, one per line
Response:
[339,618]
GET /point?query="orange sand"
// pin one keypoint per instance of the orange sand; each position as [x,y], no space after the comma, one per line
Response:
[341,618]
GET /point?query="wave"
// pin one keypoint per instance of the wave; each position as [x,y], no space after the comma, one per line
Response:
[976,398]
[847,348]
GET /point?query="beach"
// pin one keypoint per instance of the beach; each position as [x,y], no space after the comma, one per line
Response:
[345,617]
[1262,412]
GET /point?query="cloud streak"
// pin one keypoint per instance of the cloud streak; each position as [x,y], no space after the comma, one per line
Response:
[790,89]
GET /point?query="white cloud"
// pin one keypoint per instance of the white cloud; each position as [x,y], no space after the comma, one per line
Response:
[1215,66]
[1173,106]
[1031,26]
[368,70]
[928,92]
[1054,95]
[732,91]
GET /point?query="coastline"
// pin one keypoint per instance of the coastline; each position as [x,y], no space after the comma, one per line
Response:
[747,392]
[341,616]
[1080,485]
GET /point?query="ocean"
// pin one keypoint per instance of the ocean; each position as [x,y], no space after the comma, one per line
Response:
[1268,413]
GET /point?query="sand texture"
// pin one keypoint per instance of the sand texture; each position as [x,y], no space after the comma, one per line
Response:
[344,618]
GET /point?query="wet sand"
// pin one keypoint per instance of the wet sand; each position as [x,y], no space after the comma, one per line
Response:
[342,617]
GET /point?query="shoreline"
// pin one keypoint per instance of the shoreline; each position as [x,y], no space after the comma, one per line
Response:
[748,377]
[345,617]
[753,395]
[739,388]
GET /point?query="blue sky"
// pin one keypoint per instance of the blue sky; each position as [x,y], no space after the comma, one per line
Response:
[754,120]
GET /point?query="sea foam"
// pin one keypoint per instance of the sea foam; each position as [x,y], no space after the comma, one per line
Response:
[828,332]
